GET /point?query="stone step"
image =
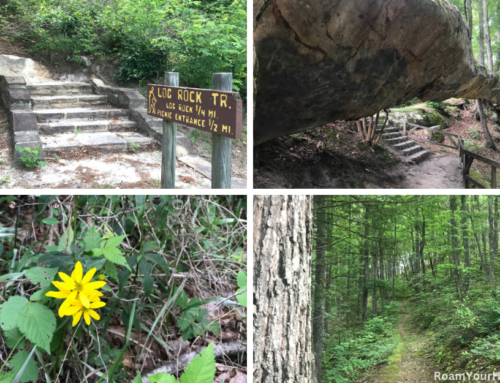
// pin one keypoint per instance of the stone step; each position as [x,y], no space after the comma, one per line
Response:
[411,150]
[59,88]
[86,126]
[47,102]
[397,140]
[418,157]
[403,145]
[105,142]
[93,114]
[391,135]
[388,130]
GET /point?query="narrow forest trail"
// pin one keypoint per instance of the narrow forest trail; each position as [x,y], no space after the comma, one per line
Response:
[410,362]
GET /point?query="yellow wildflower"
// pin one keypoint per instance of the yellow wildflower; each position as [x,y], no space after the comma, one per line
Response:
[77,309]
[76,287]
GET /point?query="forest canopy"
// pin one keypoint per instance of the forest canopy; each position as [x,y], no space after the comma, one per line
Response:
[194,38]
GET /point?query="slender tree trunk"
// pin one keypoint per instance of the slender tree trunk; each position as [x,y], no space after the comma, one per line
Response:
[319,290]
[487,35]
[374,284]
[465,239]
[364,280]
[328,301]
[454,243]
[492,242]
[486,132]
[481,33]
[282,285]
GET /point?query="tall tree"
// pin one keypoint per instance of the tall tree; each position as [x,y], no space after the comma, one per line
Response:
[487,35]
[282,289]
[481,33]
[487,136]
[319,290]
[492,242]
[454,244]
[465,239]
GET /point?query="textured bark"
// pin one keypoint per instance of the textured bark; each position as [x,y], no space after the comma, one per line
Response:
[487,36]
[469,17]
[282,289]
[481,32]
[321,61]
[492,242]
[364,276]
[319,288]
[454,244]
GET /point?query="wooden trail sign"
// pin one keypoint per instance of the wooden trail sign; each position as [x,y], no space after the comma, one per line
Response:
[213,111]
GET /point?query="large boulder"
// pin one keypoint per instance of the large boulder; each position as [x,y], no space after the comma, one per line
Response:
[323,60]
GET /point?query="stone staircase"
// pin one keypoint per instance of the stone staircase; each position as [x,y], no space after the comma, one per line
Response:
[71,116]
[413,152]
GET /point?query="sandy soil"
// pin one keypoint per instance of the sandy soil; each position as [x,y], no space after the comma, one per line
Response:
[439,171]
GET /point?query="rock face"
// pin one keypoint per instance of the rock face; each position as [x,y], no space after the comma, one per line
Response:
[323,60]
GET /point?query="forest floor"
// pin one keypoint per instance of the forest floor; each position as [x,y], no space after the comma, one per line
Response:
[411,361]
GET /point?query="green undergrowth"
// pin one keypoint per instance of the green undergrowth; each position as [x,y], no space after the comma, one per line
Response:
[147,37]
[374,344]
[465,333]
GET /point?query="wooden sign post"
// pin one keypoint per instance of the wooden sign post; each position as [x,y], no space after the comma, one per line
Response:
[217,111]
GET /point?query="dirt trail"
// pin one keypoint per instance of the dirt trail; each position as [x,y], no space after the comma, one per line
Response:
[439,171]
[410,362]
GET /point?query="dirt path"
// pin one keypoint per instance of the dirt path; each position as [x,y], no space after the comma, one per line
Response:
[410,362]
[439,171]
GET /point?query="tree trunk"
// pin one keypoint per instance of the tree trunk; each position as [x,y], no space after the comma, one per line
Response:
[481,33]
[486,132]
[487,36]
[465,240]
[492,243]
[364,279]
[454,244]
[282,285]
[319,289]
[469,13]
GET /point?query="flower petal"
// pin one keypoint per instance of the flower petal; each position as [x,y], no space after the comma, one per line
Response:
[58,294]
[64,306]
[77,273]
[84,299]
[86,279]
[66,278]
[72,310]
[94,315]
[62,286]
[87,317]
[94,285]
[76,317]
[97,305]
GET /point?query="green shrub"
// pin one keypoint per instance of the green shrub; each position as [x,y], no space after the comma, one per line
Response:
[437,105]
[30,158]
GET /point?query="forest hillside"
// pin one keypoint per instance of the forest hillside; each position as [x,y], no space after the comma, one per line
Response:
[405,287]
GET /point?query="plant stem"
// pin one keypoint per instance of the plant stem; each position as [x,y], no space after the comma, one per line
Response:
[6,360]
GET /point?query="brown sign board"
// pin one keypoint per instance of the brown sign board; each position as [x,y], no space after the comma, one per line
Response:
[213,111]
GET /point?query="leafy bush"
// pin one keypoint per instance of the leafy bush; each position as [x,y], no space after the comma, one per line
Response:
[437,105]
[30,158]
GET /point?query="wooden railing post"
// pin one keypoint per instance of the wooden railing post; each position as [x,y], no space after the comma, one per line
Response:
[493,177]
[404,128]
[221,146]
[169,142]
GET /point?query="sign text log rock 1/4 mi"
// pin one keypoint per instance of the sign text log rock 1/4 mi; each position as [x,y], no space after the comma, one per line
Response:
[210,110]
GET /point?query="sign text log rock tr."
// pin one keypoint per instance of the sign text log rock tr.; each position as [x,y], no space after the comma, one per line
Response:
[209,110]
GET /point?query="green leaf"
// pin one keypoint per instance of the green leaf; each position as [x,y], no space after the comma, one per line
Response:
[114,255]
[145,269]
[115,241]
[50,221]
[38,324]
[30,373]
[138,378]
[40,294]
[13,335]
[92,239]
[159,260]
[182,299]
[110,270]
[242,279]
[66,240]
[10,312]
[139,204]
[7,377]
[163,377]
[202,367]
[41,275]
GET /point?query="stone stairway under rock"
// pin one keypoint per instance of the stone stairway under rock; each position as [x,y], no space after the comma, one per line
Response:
[413,152]
[71,117]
